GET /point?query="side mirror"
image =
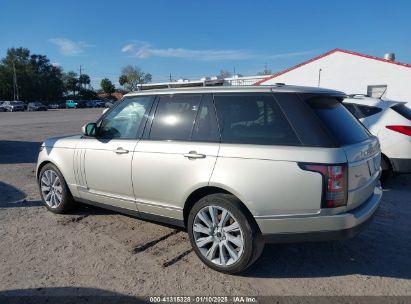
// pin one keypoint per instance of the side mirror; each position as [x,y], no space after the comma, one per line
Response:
[89,129]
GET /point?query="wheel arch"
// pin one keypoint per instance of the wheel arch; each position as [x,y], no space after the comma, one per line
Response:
[388,161]
[41,165]
[199,193]
[44,163]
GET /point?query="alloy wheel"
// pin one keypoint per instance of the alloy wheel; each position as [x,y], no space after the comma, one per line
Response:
[218,235]
[51,188]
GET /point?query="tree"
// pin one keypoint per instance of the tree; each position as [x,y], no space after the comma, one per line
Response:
[107,86]
[132,76]
[71,82]
[84,80]
[122,80]
[37,79]
[46,79]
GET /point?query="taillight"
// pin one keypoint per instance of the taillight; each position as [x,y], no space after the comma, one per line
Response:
[401,129]
[334,183]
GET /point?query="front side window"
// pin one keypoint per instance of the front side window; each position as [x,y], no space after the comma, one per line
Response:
[126,120]
[174,117]
[253,119]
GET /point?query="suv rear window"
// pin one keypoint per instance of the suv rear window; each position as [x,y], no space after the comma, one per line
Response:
[253,119]
[402,110]
[341,124]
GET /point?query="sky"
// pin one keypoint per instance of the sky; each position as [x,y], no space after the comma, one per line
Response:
[193,39]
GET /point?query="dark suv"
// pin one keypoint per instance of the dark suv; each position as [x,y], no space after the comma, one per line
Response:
[36,106]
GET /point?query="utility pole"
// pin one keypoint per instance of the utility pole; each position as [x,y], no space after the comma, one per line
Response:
[170,78]
[234,72]
[79,79]
[319,77]
[15,86]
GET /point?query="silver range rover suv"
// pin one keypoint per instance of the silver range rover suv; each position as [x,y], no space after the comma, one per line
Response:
[235,166]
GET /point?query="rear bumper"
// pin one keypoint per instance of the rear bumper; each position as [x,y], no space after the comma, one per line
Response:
[320,227]
[401,165]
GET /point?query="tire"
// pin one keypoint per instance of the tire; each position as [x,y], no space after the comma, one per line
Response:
[386,167]
[47,175]
[248,244]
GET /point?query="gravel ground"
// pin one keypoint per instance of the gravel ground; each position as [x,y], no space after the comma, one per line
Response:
[95,251]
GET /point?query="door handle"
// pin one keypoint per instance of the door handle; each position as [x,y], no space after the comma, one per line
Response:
[120,150]
[194,154]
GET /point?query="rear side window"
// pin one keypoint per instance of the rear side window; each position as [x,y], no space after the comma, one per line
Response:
[368,111]
[205,127]
[174,117]
[339,122]
[402,110]
[354,110]
[253,119]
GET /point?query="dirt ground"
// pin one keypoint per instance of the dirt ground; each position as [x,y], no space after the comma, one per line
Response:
[96,251]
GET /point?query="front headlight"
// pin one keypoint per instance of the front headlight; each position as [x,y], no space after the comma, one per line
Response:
[41,147]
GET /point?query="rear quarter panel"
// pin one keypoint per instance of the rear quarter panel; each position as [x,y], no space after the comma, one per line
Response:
[268,180]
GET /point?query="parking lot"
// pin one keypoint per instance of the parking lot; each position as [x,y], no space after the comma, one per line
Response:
[100,251]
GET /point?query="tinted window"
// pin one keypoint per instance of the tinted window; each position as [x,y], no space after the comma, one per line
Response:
[126,120]
[304,121]
[205,127]
[368,111]
[343,126]
[351,107]
[174,117]
[402,110]
[253,119]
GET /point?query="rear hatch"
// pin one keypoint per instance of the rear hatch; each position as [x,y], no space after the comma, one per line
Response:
[364,161]
[361,148]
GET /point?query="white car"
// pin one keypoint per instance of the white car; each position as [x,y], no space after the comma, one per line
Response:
[390,121]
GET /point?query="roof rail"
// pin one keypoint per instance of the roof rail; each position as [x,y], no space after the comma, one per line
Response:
[182,83]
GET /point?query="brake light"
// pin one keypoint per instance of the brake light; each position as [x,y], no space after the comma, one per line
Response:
[401,129]
[334,183]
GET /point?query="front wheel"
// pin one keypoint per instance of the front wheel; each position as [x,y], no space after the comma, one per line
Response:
[222,235]
[54,190]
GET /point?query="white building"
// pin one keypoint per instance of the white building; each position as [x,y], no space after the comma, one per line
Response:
[205,81]
[243,80]
[352,73]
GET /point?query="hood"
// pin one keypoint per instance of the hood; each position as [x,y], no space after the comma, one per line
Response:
[69,141]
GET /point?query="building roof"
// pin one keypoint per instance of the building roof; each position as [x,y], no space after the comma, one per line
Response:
[329,53]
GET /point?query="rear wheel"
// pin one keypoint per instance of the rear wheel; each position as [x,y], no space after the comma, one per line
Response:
[222,235]
[53,189]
